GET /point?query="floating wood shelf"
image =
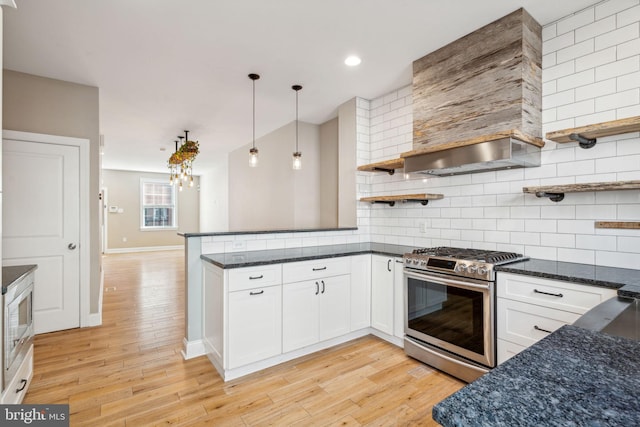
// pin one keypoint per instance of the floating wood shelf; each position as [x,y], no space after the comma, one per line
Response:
[388,166]
[627,225]
[423,199]
[555,193]
[587,136]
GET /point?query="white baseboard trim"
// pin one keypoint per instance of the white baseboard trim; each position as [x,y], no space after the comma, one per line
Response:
[191,349]
[392,339]
[143,249]
[94,319]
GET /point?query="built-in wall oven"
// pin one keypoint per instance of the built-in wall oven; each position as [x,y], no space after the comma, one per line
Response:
[18,326]
[449,296]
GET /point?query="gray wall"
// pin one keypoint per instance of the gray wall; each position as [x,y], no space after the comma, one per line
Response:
[41,105]
[329,172]
[123,191]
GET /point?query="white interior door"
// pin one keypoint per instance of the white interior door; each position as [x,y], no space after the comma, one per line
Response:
[41,225]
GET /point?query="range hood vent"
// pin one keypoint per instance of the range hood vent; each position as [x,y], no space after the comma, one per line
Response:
[477,102]
[503,152]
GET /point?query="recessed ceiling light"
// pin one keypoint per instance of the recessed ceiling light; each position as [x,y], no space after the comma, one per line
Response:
[352,61]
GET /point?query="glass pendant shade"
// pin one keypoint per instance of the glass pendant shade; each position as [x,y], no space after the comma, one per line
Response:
[297,161]
[253,157]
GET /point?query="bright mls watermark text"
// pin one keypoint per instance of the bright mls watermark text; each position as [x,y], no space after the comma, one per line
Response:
[34,415]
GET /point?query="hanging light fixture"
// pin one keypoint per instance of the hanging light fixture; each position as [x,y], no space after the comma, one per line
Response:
[297,155]
[181,161]
[253,152]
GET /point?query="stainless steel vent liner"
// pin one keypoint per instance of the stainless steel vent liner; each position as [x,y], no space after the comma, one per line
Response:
[498,154]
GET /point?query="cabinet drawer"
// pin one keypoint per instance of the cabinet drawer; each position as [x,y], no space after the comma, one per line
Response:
[11,395]
[567,296]
[526,324]
[315,269]
[254,277]
[506,350]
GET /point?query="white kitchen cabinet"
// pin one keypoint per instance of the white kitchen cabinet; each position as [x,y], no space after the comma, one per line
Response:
[360,292]
[382,293]
[315,311]
[255,325]
[242,325]
[529,308]
[398,298]
[17,388]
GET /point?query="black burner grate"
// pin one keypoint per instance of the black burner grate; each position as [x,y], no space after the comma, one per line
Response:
[480,255]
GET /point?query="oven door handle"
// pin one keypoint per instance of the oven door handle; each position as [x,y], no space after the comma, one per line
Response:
[447,282]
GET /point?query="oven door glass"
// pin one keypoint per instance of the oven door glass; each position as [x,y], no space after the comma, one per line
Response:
[453,315]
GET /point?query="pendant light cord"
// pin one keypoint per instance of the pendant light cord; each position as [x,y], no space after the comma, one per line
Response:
[296,121]
[254,113]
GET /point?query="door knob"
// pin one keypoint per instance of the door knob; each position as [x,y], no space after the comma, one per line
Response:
[71,246]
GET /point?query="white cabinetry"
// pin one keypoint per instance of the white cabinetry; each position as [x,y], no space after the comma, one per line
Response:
[242,314]
[14,393]
[387,297]
[360,292]
[530,308]
[316,304]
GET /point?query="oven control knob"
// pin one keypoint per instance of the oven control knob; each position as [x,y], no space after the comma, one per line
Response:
[483,270]
[461,267]
[473,268]
[416,261]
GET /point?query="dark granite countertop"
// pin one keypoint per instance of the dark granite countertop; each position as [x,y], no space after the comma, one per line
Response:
[233,233]
[573,377]
[586,274]
[11,274]
[276,256]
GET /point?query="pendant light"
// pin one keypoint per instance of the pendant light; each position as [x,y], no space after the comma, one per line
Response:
[297,155]
[253,152]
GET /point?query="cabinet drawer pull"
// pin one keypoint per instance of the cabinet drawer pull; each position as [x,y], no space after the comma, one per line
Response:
[320,269]
[256,293]
[256,277]
[388,265]
[547,293]
[540,329]
[317,288]
[23,384]
[322,286]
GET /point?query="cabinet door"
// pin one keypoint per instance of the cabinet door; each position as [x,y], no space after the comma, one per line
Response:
[300,308]
[334,306]
[398,298]
[360,292]
[382,293]
[255,325]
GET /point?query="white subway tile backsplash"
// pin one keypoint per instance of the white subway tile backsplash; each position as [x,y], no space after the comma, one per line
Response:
[541,225]
[618,36]
[558,43]
[613,6]
[540,252]
[599,58]
[618,164]
[576,109]
[558,211]
[524,238]
[582,78]
[581,226]
[549,60]
[628,16]
[629,48]
[618,259]
[630,111]
[629,244]
[594,90]
[618,68]
[600,26]
[575,51]
[603,243]
[549,32]
[577,20]
[596,212]
[576,168]
[580,256]
[525,212]
[558,240]
[618,100]
[557,71]
[590,119]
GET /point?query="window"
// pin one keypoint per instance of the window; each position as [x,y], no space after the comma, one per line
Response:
[158,202]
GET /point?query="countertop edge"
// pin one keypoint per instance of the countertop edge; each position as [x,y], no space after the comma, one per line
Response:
[23,270]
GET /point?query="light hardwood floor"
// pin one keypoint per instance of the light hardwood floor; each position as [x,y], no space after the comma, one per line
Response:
[129,371]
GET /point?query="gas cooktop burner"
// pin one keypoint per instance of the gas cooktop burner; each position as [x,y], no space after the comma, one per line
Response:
[479,255]
[465,262]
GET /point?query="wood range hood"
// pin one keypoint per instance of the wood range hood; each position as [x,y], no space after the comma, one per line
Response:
[477,102]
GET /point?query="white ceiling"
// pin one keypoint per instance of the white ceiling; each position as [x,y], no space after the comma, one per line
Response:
[164,66]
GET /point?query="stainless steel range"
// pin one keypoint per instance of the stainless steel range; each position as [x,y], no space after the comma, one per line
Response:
[449,296]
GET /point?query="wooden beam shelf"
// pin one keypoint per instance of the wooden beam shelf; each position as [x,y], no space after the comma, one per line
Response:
[627,225]
[388,166]
[423,199]
[555,193]
[587,136]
